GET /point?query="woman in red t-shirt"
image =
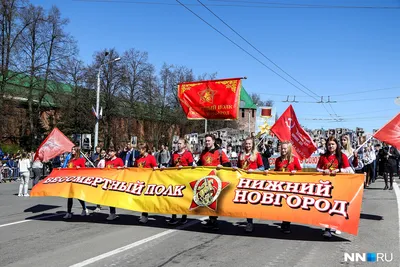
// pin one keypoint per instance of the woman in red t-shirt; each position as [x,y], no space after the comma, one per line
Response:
[250,160]
[76,162]
[180,158]
[332,162]
[145,160]
[287,162]
[113,162]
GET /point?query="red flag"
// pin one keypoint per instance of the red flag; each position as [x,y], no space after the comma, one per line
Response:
[215,99]
[287,128]
[390,132]
[55,144]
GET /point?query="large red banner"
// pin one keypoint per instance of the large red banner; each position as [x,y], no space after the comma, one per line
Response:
[288,128]
[216,99]
[390,133]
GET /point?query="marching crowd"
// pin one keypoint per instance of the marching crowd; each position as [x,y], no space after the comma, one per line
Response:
[337,156]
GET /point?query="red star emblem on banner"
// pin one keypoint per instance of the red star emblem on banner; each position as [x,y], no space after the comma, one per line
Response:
[206,191]
[207,96]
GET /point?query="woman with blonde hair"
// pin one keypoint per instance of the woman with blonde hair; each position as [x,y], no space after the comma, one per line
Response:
[287,162]
[351,154]
[346,145]
[250,160]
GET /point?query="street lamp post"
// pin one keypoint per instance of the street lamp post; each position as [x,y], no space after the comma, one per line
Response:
[96,128]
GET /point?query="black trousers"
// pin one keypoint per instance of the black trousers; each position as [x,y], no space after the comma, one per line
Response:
[71,201]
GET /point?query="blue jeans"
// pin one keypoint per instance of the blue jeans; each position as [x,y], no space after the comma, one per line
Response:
[373,171]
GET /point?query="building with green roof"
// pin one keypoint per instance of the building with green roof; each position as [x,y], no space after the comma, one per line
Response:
[245,100]
[247,112]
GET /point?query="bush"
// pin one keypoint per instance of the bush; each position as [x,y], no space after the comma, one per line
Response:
[10,148]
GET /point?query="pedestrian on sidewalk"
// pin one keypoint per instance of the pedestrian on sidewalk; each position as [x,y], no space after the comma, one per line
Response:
[24,165]
[37,168]
[389,156]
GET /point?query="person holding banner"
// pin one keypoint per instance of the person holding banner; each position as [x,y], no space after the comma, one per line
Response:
[113,162]
[287,162]
[100,163]
[75,161]
[181,157]
[145,160]
[332,162]
[212,155]
[250,160]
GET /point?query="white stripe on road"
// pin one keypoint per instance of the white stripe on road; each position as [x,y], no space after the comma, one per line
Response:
[135,244]
[397,192]
[29,220]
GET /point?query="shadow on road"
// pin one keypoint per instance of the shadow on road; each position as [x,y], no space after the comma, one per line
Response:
[261,230]
[41,208]
[371,217]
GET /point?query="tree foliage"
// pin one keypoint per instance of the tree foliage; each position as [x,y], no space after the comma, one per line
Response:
[40,65]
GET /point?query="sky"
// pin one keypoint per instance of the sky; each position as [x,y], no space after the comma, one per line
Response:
[351,55]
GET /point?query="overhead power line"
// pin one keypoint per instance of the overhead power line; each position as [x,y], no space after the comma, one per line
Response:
[343,119]
[255,48]
[368,91]
[276,65]
[344,101]
[298,5]
[241,48]
[248,5]
[365,99]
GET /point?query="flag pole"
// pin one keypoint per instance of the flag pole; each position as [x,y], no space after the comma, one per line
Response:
[363,144]
[88,160]
[205,126]
[217,80]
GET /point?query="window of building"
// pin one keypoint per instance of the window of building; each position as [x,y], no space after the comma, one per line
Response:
[252,113]
[242,113]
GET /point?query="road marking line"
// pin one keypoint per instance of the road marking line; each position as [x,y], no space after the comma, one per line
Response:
[29,220]
[397,192]
[135,244]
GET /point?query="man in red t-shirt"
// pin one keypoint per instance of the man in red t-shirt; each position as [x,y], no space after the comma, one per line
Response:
[180,158]
[113,162]
[212,155]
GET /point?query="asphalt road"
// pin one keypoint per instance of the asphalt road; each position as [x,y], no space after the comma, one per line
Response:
[33,233]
